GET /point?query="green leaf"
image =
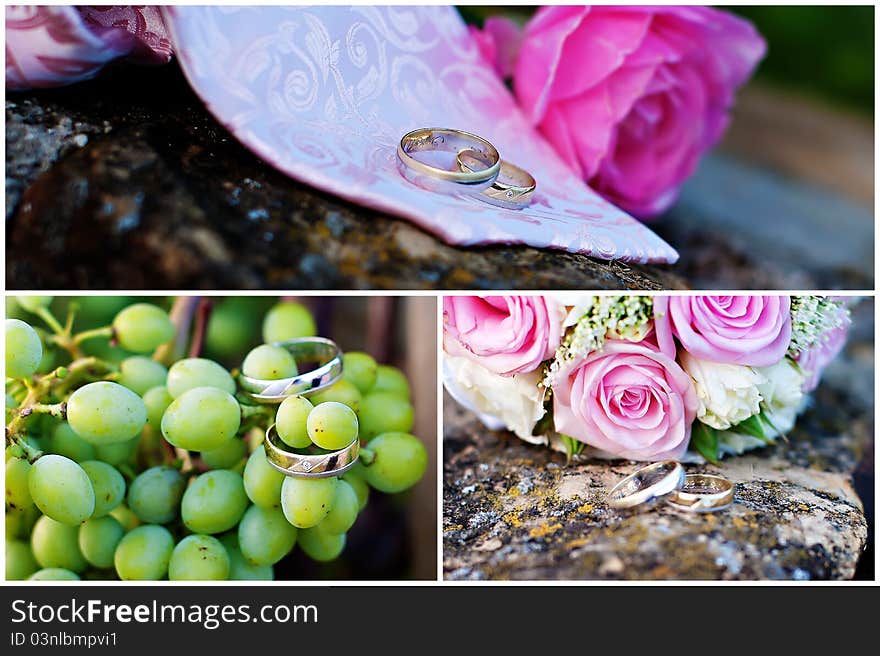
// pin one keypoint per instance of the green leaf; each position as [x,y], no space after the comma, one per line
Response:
[752,426]
[573,447]
[704,440]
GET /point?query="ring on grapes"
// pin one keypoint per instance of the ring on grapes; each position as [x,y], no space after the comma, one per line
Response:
[513,188]
[301,465]
[703,493]
[483,154]
[647,484]
[323,351]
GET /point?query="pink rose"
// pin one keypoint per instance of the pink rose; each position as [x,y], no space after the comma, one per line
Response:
[814,360]
[499,44]
[505,334]
[748,330]
[628,400]
[631,97]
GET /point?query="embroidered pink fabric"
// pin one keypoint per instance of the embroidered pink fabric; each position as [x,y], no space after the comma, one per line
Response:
[325,93]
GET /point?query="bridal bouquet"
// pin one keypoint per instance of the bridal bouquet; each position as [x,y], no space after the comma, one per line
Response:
[640,377]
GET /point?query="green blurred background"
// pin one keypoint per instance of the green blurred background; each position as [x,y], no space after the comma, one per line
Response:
[826,52]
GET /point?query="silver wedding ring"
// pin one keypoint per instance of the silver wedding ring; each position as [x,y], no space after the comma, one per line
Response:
[318,350]
[452,181]
[646,484]
[309,466]
[702,493]
[513,188]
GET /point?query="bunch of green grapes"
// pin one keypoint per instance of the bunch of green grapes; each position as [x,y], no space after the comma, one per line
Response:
[152,466]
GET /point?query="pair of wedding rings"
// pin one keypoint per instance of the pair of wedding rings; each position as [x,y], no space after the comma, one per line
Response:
[479,169]
[327,358]
[667,480]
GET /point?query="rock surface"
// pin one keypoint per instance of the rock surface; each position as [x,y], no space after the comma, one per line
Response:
[127,182]
[516,511]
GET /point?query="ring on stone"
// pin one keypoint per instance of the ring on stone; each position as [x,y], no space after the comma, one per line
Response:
[646,484]
[318,350]
[487,161]
[301,465]
[702,493]
[512,188]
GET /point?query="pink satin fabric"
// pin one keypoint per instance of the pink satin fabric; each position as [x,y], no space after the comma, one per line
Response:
[325,93]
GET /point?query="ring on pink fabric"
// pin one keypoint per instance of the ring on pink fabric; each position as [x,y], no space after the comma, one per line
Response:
[448,180]
[513,188]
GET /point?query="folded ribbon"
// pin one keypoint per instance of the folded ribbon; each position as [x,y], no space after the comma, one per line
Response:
[325,93]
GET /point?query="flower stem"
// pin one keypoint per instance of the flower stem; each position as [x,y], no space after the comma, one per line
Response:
[106,331]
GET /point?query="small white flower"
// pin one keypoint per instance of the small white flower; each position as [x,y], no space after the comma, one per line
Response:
[512,402]
[726,393]
[783,395]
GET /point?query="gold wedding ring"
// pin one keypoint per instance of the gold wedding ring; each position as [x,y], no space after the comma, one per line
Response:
[512,188]
[487,160]
[301,465]
[702,493]
[647,484]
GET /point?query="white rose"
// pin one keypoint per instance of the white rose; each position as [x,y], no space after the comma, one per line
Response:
[783,394]
[512,402]
[726,393]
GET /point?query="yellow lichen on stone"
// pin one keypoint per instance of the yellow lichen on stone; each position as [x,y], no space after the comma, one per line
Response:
[513,519]
[544,530]
[585,509]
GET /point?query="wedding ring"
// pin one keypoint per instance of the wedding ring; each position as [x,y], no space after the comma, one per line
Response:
[325,352]
[487,160]
[512,188]
[646,484]
[309,466]
[703,493]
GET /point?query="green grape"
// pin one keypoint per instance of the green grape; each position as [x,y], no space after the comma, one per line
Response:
[201,419]
[384,413]
[20,522]
[154,496]
[57,545]
[34,303]
[306,501]
[341,391]
[108,484]
[214,502]
[321,546]
[226,456]
[359,369]
[400,461]
[199,558]
[265,536]
[288,320]
[268,362]
[18,494]
[61,489]
[20,562]
[239,568]
[141,328]
[156,401]
[53,574]
[262,482]
[98,539]
[125,516]
[65,442]
[118,452]
[234,327]
[23,349]
[143,553]
[344,511]
[332,426]
[392,381]
[191,373]
[105,412]
[139,373]
[356,477]
[290,421]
